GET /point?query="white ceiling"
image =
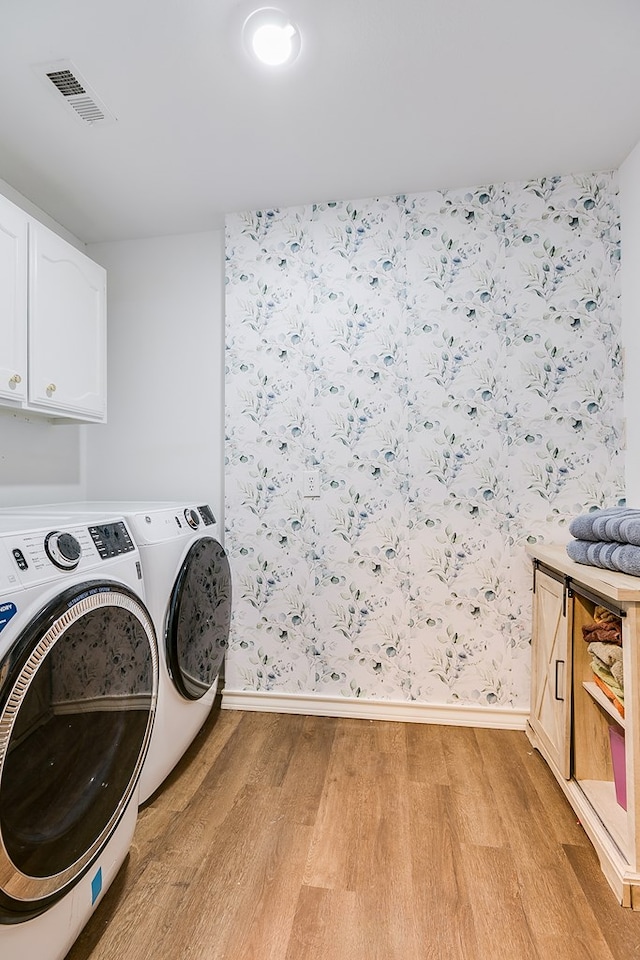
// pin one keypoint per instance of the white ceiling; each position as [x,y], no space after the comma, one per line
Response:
[386,97]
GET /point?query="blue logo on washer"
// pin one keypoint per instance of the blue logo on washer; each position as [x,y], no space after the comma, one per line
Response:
[96,886]
[7,610]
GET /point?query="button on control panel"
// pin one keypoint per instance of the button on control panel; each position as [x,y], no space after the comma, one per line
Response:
[20,559]
[111,539]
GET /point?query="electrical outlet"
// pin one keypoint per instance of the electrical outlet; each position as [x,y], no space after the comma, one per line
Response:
[311,483]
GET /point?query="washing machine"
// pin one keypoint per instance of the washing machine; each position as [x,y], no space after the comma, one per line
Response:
[79,675]
[188,592]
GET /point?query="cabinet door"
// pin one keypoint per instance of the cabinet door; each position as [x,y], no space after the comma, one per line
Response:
[551,671]
[13,301]
[67,327]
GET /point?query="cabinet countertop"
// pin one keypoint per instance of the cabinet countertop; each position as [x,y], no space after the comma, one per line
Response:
[618,586]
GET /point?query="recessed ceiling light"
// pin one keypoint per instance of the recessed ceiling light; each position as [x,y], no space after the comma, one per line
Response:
[270,36]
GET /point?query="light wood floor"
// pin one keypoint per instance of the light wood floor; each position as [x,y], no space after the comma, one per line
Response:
[308,838]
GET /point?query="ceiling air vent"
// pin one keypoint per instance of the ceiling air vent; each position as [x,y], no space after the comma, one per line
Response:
[75,91]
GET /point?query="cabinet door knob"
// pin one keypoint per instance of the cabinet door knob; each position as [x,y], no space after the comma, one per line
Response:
[15,380]
[51,388]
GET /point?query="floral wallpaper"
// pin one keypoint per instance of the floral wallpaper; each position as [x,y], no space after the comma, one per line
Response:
[449,363]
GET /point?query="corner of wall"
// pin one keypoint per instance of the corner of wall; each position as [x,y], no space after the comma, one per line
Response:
[629,180]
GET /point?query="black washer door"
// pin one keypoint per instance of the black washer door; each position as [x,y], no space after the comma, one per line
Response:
[199,619]
[77,700]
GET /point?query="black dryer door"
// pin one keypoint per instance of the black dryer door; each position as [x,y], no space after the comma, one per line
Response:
[77,699]
[198,620]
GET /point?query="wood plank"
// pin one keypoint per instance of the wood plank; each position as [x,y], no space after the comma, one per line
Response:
[562,821]
[548,889]
[472,797]
[426,762]
[619,927]
[252,886]
[574,948]
[367,757]
[183,782]
[499,919]
[380,869]
[326,926]
[342,803]
[440,899]
[304,780]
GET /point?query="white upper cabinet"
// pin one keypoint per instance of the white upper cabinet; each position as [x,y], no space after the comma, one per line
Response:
[53,323]
[67,327]
[13,303]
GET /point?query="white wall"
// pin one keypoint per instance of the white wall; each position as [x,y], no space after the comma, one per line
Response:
[164,436]
[39,461]
[629,178]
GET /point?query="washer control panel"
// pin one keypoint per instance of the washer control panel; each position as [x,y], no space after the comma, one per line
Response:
[206,513]
[37,556]
[111,539]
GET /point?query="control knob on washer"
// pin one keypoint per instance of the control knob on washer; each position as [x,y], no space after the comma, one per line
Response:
[192,518]
[63,550]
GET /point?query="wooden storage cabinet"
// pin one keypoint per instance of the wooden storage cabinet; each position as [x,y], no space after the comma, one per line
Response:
[571,718]
[52,322]
[551,668]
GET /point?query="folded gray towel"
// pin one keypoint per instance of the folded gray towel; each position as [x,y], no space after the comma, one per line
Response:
[595,553]
[623,557]
[578,551]
[609,526]
[628,529]
[585,551]
[620,524]
[626,558]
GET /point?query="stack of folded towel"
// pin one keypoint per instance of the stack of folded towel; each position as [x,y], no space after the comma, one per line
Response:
[604,637]
[607,538]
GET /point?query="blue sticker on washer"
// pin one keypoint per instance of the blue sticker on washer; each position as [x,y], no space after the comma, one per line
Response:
[96,886]
[7,610]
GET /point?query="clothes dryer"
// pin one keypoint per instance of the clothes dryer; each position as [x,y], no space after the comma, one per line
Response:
[188,591]
[189,596]
[78,690]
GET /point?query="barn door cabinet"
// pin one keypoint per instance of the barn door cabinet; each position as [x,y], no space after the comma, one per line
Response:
[52,322]
[593,751]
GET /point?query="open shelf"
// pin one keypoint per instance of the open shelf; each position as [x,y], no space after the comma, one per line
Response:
[596,693]
[594,715]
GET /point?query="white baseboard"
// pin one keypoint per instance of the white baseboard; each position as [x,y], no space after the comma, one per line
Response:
[499,718]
